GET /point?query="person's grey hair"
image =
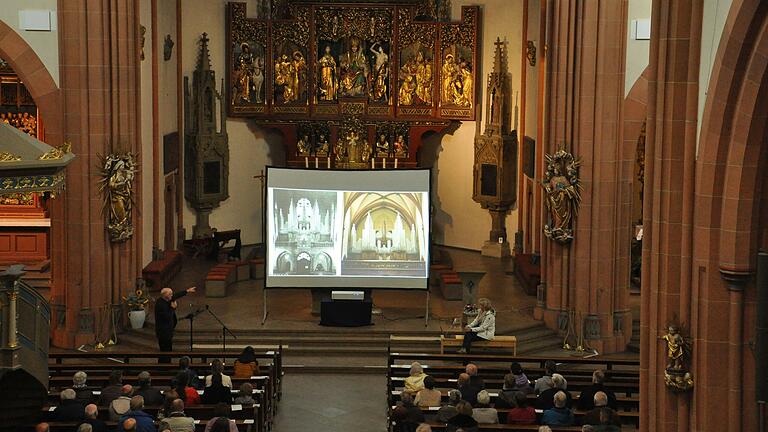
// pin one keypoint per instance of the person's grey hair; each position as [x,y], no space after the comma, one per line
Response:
[144,377]
[424,427]
[483,397]
[416,369]
[454,396]
[68,394]
[601,399]
[85,427]
[79,378]
[598,376]
[558,381]
[559,399]
[91,410]
[545,429]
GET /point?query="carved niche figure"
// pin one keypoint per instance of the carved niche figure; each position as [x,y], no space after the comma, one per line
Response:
[299,73]
[401,147]
[118,172]
[328,84]
[407,89]
[563,195]
[383,148]
[284,78]
[416,80]
[457,83]
[322,145]
[380,73]
[449,71]
[354,70]
[245,74]
[304,145]
[423,79]
[676,375]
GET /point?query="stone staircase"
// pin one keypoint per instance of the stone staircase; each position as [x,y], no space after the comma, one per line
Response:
[324,351]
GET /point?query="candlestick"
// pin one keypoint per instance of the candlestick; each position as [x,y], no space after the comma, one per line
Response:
[373,163]
[395,163]
[329,162]
[316,166]
[306,162]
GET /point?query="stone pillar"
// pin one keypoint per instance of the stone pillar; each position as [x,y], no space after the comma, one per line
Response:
[585,71]
[99,76]
[670,155]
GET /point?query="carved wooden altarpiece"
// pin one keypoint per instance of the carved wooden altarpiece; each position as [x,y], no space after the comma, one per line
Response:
[352,84]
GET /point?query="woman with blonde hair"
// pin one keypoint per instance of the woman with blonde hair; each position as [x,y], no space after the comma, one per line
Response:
[415,380]
[483,327]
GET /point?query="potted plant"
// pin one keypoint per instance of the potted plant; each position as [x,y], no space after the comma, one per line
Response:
[136,305]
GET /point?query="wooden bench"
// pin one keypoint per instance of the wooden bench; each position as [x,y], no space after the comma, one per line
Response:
[159,273]
[497,342]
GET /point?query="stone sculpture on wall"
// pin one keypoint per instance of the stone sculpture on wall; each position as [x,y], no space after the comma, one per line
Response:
[562,190]
[118,172]
[677,375]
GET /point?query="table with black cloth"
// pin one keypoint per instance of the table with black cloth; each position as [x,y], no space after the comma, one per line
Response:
[345,313]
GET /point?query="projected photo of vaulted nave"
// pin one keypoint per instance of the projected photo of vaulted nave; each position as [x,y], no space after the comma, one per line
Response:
[385,234]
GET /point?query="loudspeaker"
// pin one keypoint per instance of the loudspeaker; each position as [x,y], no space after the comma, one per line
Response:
[761,338]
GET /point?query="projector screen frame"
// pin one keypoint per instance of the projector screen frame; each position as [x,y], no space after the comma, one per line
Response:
[265,287]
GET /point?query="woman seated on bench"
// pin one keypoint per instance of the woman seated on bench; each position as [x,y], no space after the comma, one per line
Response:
[483,327]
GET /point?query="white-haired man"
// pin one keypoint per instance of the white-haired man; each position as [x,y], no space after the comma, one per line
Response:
[69,408]
[560,415]
[602,414]
[165,318]
[91,418]
[545,399]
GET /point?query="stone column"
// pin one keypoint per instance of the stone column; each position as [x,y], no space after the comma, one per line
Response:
[99,73]
[670,154]
[585,79]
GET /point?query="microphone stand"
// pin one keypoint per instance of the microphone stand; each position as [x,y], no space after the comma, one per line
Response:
[191,317]
[224,331]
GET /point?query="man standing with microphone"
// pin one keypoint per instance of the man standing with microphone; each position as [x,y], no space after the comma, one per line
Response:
[165,319]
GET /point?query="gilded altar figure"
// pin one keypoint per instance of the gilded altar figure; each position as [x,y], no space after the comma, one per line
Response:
[407,89]
[401,147]
[381,72]
[284,75]
[118,171]
[339,150]
[463,95]
[354,70]
[676,375]
[322,145]
[299,74]
[423,79]
[245,73]
[328,84]
[563,195]
[258,79]
[382,146]
[304,146]
[675,347]
[365,151]
[449,74]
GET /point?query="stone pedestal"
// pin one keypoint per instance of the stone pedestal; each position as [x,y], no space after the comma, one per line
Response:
[202,228]
[470,282]
[496,249]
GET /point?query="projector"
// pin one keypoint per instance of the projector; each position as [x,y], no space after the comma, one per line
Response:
[347,295]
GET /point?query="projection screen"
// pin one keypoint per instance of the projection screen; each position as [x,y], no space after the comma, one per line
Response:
[347,229]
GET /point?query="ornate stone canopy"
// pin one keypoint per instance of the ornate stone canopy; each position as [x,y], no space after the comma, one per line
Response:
[30,165]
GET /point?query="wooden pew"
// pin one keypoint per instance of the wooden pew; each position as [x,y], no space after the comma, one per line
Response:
[242,426]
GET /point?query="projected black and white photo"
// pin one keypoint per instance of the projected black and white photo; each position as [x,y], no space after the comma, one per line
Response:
[303,229]
[385,234]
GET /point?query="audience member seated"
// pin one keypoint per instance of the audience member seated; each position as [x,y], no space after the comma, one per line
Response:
[91,418]
[424,428]
[415,380]
[507,394]
[168,397]
[560,415]
[217,392]
[245,395]
[545,382]
[121,405]
[246,365]
[521,412]
[428,396]
[144,421]
[84,427]
[84,396]
[221,424]
[406,415]
[217,368]
[177,421]
[43,427]
[545,429]
[449,410]
[186,393]
[546,398]
[152,395]
[463,420]
[522,383]
[192,380]
[602,415]
[129,425]
[483,412]
[69,409]
[221,411]
[472,386]
[113,390]
[587,396]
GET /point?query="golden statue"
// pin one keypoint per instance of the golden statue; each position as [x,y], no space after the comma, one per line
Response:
[322,145]
[381,71]
[303,146]
[117,186]
[245,74]
[676,375]
[464,76]
[401,148]
[327,72]
[407,88]
[339,150]
[423,79]
[299,74]
[563,195]
[382,146]
[284,76]
[449,72]
[354,70]
[675,348]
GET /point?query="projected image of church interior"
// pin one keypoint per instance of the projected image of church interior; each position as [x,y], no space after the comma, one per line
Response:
[304,223]
[384,234]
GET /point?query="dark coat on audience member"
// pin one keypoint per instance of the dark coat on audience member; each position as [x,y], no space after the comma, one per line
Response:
[465,422]
[506,398]
[96,425]
[587,397]
[144,421]
[110,393]
[69,410]
[546,399]
[558,417]
[407,417]
[217,393]
[152,395]
[601,416]
[84,395]
[469,392]
[445,413]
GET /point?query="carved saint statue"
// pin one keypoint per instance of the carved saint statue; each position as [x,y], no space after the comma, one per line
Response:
[117,186]
[354,70]
[322,145]
[328,84]
[340,150]
[407,89]
[380,73]
[463,89]
[258,79]
[562,194]
[303,146]
[299,72]
[284,73]
[245,73]
[675,348]
[423,79]
[382,146]
[401,147]
[449,72]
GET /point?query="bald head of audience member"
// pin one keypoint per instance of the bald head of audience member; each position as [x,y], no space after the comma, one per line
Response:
[463,380]
[126,390]
[42,427]
[471,369]
[129,425]
[177,406]
[91,411]
[601,399]
[67,394]
[85,427]
[559,400]
[137,403]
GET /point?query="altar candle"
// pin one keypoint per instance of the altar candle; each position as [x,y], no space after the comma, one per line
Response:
[306,162]
[316,166]
[329,162]
[373,163]
[395,163]
[383,163]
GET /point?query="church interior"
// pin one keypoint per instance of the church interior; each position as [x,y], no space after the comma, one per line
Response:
[387,200]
